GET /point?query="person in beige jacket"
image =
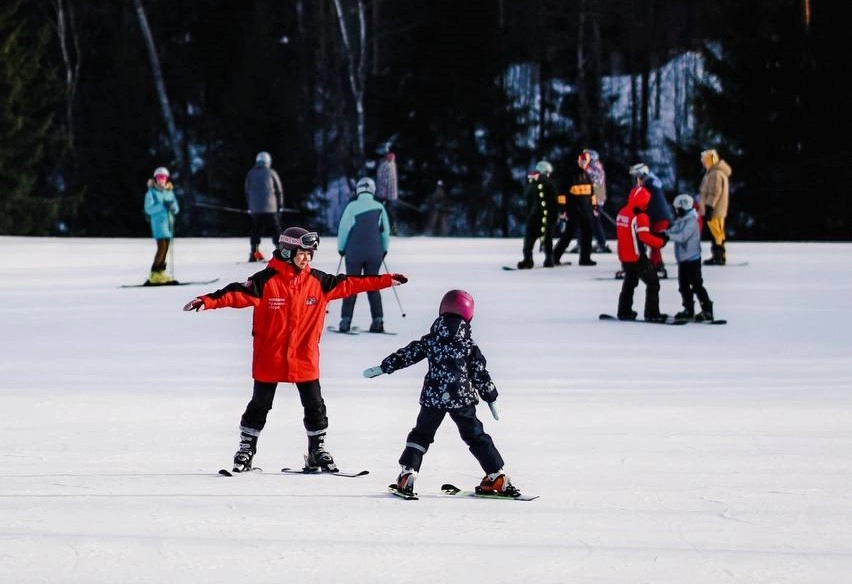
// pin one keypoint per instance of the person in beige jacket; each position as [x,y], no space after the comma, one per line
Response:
[713,202]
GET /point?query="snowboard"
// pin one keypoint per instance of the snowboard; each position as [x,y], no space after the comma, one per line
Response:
[172,283]
[517,269]
[669,320]
[453,490]
[355,331]
[726,264]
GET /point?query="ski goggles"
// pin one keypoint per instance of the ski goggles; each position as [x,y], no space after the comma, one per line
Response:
[309,240]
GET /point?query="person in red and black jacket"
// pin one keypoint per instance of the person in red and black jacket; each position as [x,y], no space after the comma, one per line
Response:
[289,299]
[633,231]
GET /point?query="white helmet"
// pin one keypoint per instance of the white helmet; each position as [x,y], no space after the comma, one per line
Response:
[161,171]
[544,167]
[365,185]
[684,202]
[263,158]
[641,169]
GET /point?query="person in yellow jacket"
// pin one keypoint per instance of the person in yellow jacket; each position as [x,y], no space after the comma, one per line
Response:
[713,202]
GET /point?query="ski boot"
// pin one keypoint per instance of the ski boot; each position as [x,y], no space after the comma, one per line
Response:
[378,325]
[526,264]
[405,480]
[318,458]
[245,455]
[497,483]
[256,256]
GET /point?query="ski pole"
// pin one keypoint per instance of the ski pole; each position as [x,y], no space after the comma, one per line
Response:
[172,246]
[337,272]
[395,293]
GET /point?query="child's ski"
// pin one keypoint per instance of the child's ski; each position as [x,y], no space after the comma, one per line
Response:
[449,489]
[316,471]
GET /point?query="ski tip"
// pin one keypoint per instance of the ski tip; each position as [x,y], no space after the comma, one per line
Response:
[225,472]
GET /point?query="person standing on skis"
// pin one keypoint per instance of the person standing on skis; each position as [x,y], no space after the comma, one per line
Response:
[456,376]
[289,299]
[363,238]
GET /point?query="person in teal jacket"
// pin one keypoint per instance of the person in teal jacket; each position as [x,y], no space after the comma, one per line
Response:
[161,206]
[363,238]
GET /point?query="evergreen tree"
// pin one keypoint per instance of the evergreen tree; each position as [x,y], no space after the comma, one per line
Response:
[29,95]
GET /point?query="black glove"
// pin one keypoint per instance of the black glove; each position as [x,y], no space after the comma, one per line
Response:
[400,278]
[342,253]
[384,254]
[708,212]
[195,304]
[664,236]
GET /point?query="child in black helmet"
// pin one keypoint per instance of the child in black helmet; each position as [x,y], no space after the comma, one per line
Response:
[455,376]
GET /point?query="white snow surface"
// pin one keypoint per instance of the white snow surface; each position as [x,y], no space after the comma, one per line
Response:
[662,454]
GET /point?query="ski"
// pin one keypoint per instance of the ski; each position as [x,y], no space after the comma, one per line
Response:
[172,283]
[401,494]
[517,269]
[315,471]
[729,264]
[334,329]
[227,473]
[669,320]
[449,489]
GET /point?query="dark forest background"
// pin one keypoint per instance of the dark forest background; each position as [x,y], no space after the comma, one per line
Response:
[97,93]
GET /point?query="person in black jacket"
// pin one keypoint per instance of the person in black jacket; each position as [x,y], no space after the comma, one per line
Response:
[580,213]
[456,376]
[544,206]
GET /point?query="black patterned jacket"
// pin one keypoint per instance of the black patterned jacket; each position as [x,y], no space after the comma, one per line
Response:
[457,370]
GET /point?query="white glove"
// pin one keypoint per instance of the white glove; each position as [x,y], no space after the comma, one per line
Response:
[373,371]
[495,410]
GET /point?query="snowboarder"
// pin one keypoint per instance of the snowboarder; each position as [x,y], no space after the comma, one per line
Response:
[580,214]
[659,213]
[686,233]
[289,299]
[633,231]
[455,376]
[160,207]
[363,238]
[713,198]
[543,208]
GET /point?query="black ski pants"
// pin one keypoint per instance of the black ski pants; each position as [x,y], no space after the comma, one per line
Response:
[471,431]
[633,272]
[580,214]
[264,224]
[263,394]
[689,282]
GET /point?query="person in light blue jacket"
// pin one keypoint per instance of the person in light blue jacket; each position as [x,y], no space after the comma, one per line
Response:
[363,238]
[161,206]
[685,232]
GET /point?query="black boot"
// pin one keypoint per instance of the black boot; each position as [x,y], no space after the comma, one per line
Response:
[318,457]
[688,312]
[706,314]
[244,456]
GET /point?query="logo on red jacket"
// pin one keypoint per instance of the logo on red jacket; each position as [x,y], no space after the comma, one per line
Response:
[276,303]
[311,300]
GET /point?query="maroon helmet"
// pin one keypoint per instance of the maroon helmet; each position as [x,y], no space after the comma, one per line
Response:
[458,302]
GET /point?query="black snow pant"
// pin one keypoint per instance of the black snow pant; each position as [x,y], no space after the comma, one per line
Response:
[633,272]
[310,394]
[539,226]
[689,282]
[580,214]
[264,224]
[471,431]
[368,265]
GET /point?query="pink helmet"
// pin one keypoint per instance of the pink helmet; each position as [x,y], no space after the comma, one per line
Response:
[458,302]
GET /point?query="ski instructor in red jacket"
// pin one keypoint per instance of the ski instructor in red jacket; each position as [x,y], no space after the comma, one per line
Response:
[289,300]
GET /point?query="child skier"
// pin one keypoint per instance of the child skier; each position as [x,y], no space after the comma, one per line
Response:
[289,299]
[456,375]
[686,233]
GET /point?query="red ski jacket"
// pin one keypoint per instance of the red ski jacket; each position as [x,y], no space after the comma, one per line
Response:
[289,315]
[633,231]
